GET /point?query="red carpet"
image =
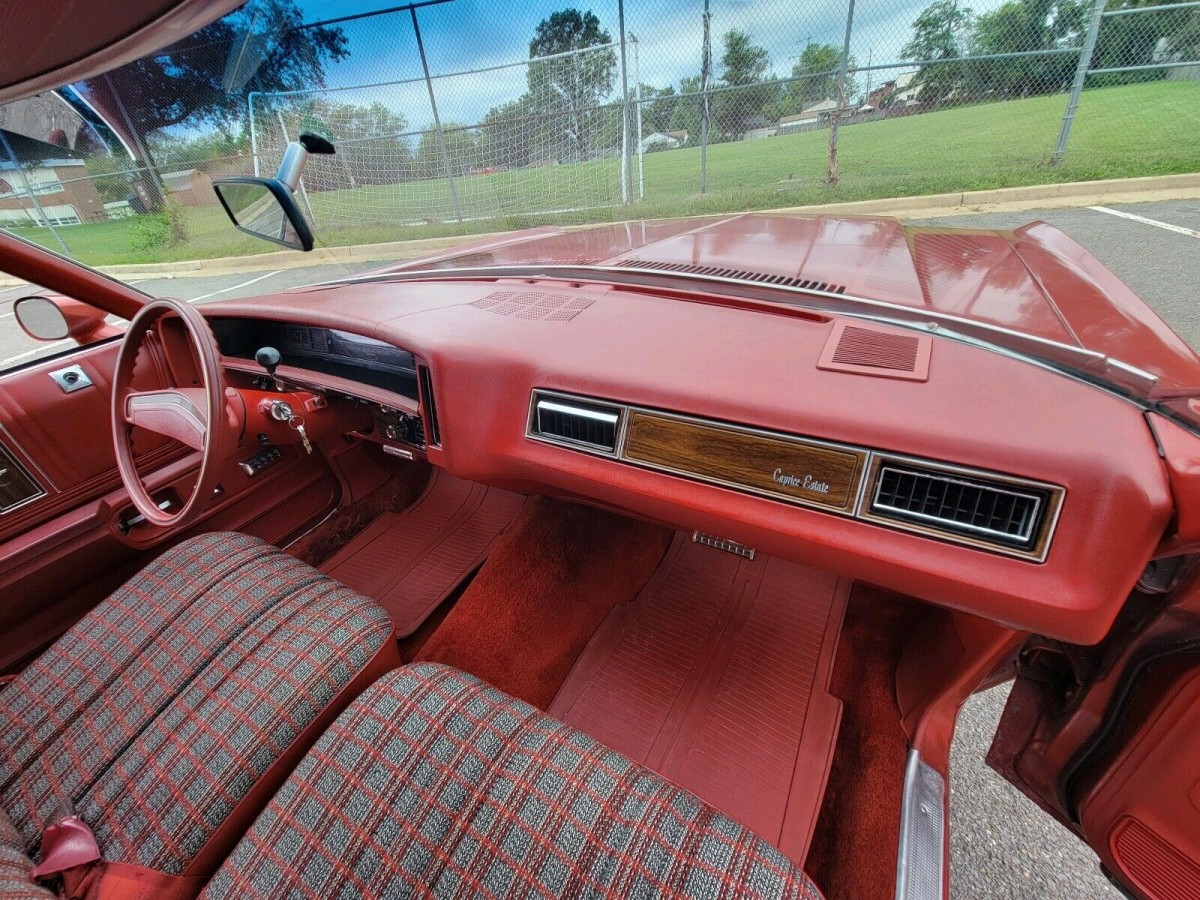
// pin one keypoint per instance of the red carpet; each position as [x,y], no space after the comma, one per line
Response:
[716,677]
[854,849]
[547,584]
[411,561]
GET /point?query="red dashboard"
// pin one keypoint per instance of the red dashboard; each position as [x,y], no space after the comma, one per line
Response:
[488,345]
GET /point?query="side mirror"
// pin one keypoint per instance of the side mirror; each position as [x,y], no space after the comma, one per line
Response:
[46,319]
[265,208]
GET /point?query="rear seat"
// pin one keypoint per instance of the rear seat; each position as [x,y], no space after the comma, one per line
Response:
[433,783]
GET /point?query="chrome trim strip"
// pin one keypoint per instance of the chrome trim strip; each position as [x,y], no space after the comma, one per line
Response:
[920,863]
[610,418]
[7,455]
[844,304]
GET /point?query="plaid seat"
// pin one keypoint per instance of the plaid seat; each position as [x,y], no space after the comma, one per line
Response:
[15,883]
[160,715]
[433,784]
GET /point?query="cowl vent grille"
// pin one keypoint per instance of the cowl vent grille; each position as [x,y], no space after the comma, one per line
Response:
[1002,514]
[807,284]
[870,350]
[534,305]
[576,423]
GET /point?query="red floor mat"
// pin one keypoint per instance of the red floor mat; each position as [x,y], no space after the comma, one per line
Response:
[412,560]
[716,676]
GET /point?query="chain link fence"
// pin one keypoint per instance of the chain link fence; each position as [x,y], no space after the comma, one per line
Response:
[452,117]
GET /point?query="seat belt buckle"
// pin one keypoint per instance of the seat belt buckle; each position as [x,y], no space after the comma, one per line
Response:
[67,842]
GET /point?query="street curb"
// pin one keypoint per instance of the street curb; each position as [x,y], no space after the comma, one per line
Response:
[1040,196]
[1044,196]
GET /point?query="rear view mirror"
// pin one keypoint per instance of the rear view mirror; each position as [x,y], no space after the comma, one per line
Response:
[265,208]
[53,319]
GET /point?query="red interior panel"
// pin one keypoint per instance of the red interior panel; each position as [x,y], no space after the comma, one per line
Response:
[717,677]
[760,369]
[412,560]
[1143,816]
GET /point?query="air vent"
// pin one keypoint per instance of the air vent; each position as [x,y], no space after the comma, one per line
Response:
[807,284]
[582,424]
[433,433]
[989,512]
[869,350]
[534,305]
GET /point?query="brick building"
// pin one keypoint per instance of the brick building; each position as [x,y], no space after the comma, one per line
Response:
[58,179]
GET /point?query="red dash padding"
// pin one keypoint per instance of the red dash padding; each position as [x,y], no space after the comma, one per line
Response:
[411,561]
[716,676]
[434,784]
[548,583]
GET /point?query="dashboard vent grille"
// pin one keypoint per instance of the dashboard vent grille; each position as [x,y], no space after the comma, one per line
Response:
[534,305]
[807,284]
[432,432]
[578,423]
[991,512]
[868,350]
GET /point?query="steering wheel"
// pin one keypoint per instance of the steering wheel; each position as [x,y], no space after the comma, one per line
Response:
[194,415]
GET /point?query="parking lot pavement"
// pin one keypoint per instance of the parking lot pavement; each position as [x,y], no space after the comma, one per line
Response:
[1002,846]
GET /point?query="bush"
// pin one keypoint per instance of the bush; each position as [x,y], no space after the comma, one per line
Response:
[164,228]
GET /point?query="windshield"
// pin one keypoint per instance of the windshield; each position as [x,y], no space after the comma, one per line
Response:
[453,120]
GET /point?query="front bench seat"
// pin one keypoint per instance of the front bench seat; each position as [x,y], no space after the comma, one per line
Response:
[434,784]
[170,714]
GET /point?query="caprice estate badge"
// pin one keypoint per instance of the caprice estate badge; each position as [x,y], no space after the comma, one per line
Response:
[807,483]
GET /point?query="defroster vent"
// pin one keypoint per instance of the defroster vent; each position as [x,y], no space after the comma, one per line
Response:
[1009,516]
[581,424]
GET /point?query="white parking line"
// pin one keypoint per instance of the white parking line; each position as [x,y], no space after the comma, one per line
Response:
[1167,226]
[35,351]
[235,287]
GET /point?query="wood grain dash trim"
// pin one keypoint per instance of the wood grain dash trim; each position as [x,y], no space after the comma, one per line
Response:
[797,470]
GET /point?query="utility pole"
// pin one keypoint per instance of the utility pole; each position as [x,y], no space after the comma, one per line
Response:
[705,75]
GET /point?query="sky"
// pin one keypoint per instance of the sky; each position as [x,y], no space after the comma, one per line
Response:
[469,34]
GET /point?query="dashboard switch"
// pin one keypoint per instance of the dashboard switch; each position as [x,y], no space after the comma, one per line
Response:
[260,460]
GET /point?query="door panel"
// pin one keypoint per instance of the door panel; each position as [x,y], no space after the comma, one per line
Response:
[64,551]
[1143,814]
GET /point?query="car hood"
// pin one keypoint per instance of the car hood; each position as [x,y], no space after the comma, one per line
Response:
[1034,281]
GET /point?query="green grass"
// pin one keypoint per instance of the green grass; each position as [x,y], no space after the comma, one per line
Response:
[1129,131]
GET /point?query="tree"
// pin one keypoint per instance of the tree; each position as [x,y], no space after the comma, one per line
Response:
[686,113]
[743,66]
[941,35]
[186,82]
[1144,39]
[657,106]
[1022,26]
[568,90]
[462,146]
[372,147]
[817,71]
[504,141]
